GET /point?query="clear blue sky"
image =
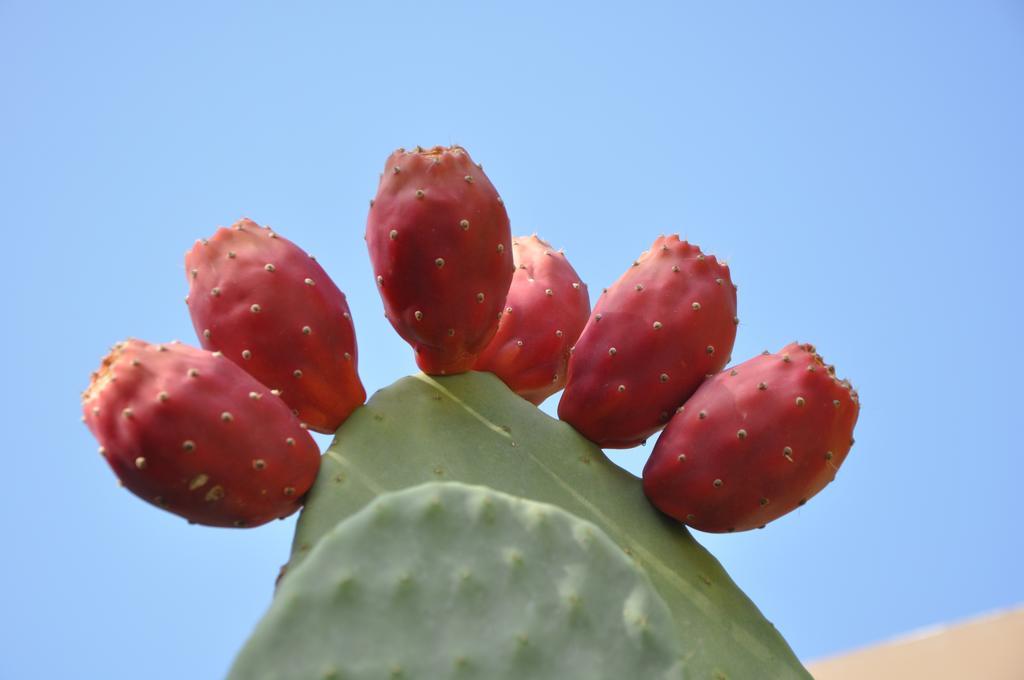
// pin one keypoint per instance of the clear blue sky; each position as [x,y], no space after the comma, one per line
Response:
[861,165]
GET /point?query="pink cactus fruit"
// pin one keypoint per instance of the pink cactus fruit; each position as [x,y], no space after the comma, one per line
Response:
[194,434]
[273,310]
[754,443]
[546,309]
[654,335]
[441,251]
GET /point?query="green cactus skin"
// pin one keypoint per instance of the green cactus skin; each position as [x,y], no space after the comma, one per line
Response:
[472,428]
[446,580]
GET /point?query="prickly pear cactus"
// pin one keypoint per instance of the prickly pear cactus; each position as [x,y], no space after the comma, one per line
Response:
[472,428]
[446,580]
[651,354]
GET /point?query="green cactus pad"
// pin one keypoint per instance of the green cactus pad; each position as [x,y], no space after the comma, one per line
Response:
[446,580]
[472,428]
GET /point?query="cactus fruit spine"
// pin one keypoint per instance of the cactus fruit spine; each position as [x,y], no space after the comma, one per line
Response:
[654,335]
[546,309]
[194,434]
[754,442]
[446,580]
[273,310]
[441,251]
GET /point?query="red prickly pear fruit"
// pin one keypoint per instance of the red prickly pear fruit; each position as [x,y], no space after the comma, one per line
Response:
[273,310]
[546,309]
[754,442]
[441,250]
[654,336]
[194,434]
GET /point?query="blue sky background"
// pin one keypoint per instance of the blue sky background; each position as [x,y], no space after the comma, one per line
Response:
[859,164]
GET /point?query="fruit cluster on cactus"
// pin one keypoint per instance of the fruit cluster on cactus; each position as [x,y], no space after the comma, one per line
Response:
[219,436]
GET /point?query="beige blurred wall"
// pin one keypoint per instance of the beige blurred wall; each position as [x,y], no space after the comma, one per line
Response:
[989,647]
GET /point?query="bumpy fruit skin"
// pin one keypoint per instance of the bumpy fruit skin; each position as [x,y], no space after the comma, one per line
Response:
[754,442]
[273,310]
[194,434]
[545,312]
[441,250]
[654,336]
